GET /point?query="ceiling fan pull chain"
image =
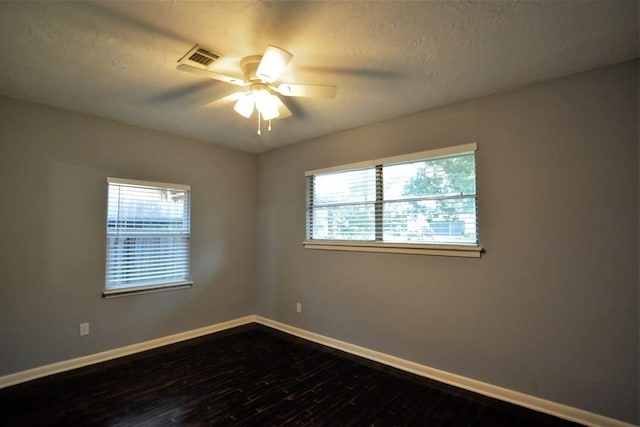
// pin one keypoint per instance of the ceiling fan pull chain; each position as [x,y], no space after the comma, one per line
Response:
[259,133]
[269,125]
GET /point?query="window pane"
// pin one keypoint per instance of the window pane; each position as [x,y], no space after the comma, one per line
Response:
[345,187]
[146,260]
[352,222]
[431,221]
[344,205]
[148,231]
[147,210]
[431,178]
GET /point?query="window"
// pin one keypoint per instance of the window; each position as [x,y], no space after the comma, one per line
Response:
[418,203]
[148,233]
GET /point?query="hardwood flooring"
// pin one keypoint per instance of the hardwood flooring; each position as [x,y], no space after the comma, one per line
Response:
[251,376]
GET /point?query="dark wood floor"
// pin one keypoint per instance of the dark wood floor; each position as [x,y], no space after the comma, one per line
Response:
[251,376]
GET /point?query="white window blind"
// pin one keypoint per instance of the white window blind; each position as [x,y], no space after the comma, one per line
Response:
[426,198]
[344,205]
[148,233]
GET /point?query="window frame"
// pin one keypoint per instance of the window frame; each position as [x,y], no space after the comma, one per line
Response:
[137,289]
[444,249]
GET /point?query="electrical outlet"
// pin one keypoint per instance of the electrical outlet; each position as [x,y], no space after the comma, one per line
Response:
[298,307]
[84,329]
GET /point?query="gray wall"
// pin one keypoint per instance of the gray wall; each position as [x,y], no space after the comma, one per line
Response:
[551,309]
[53,166]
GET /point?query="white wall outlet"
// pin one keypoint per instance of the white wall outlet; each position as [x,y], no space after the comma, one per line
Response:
[298,307]
[84,329]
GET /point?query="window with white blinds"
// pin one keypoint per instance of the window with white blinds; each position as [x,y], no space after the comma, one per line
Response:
[148,233]
[425,200]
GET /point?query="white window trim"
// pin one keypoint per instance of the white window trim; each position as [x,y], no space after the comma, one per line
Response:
[431,154]
[114,180]
[126,292]
[146,289]
[469,251]
[466,251]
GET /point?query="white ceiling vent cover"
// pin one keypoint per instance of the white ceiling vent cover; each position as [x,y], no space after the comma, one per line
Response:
[199,57]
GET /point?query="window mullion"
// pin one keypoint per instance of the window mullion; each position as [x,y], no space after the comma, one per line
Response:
[310,206]
[379,201]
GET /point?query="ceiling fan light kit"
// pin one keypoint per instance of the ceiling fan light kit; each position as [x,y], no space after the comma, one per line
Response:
[260,73]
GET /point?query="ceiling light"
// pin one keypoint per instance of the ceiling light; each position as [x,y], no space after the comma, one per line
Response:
[267,105]
[273,64]
[260,98]
[244,106]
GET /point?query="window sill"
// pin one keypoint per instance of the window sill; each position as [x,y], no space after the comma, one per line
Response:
[396,248]
[125,292]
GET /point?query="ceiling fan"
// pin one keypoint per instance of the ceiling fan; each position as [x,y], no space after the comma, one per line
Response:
[261,89]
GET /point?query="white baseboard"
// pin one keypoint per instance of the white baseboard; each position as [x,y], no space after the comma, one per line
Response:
[78,362]
[522,399]
[541,405]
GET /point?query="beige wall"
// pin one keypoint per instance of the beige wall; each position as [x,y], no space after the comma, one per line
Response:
[53,166]
[551,309]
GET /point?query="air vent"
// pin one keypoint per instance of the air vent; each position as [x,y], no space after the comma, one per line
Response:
[204,57]
[199,57]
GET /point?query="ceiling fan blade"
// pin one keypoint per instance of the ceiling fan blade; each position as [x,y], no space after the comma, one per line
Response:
[310,91]
[211,75]
[225,100]
[273,63]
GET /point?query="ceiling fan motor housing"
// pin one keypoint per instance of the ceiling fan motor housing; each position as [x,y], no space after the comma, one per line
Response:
[249,66]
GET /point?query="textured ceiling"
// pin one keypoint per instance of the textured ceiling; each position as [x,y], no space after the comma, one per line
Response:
[117,59]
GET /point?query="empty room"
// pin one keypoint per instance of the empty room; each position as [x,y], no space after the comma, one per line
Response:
[347,213]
